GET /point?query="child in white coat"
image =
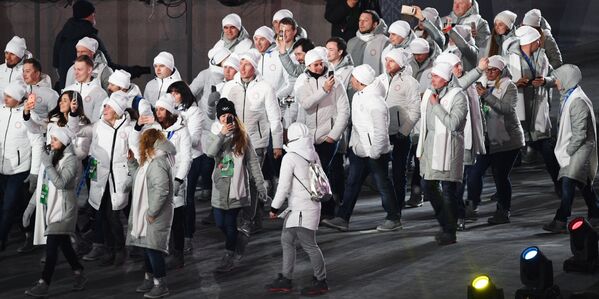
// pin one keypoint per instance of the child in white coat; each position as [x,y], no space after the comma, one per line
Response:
[302,215]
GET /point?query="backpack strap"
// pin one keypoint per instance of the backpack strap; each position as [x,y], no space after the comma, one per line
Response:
[307,190]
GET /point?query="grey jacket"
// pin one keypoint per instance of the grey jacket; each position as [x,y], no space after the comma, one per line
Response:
[65,180]
[292,68]
[552,50]
[583,142]
[219,146]
[483,33]
[503,111]
[454,120]
[159,179]
[469,53]
[434,33]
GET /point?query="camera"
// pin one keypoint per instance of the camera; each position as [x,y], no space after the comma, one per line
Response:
[331,73]
[230,119]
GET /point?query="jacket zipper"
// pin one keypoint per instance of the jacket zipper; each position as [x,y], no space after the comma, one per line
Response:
[317,105]
[300,219]
[160,89]
[5,134]
[244,98]
[112,155]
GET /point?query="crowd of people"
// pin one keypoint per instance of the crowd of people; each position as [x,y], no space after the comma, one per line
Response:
[451,96]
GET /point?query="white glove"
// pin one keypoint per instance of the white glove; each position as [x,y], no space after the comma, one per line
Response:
[28,212]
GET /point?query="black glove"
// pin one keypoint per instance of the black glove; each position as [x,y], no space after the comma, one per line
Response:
[136,71]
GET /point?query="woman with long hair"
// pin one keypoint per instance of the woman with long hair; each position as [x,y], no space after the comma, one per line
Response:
[503,37]
[56,216]
[152,208]
[193,117]
[236,161]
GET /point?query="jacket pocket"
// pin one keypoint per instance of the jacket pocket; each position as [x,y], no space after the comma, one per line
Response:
[18,157]
[398,122]
[122,179]
[369,140]
[259,130]
[332,123]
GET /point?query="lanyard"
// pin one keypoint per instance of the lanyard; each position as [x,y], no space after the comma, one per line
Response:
[530,65]
[566,97]
[170,134]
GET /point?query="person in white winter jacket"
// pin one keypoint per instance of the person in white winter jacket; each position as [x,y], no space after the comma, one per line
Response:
[112,142]
[93,95]
[193,118]
[212,76]
[14,54]
[234,36]
[166,73]
[370,148]
[302,214]
[270,66]
[324,109]
[101,71]
[402,95]
[256,105]
[120,81]
[174,128]
[15,149]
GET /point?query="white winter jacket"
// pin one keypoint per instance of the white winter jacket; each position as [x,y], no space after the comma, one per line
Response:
[194,118]
[302,211]
[271,69]
[325,114]
[110,146]
[403,100]
[93,97]
[370,122]
[257,106]
[178,135]
[157,87]
[15,146]
[8,75]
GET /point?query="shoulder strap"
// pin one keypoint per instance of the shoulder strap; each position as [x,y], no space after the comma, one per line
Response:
[307,190]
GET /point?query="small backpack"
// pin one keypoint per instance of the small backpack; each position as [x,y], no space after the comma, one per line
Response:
[320,189]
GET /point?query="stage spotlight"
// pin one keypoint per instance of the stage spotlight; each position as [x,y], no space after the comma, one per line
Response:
[536,274]
[583,243]
[483,288]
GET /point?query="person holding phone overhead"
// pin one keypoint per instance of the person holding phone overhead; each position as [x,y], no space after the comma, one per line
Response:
[324,108]
[236,161]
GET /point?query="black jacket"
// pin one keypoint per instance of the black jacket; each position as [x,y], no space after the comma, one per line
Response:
[344,18]
[65,52]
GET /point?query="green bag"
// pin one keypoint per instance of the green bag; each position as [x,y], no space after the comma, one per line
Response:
[227,167]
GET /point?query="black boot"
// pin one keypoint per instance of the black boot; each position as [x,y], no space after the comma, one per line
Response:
[280,285]
[318,287]
[501,216]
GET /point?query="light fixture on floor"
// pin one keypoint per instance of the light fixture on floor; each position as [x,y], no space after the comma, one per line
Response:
[536,274]
[583,243]
[483,288]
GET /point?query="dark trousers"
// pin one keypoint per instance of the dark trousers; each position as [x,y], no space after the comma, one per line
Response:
[443,196]
[178,228]
[190,204]
[359,168]
[53,242]
[154,263]
[112,227]
[399,164]
[226,221]
[588,193]
[546,147]
[206,168]
[12,189]
[326,152]
[416,178]
[502,163]
[461,190]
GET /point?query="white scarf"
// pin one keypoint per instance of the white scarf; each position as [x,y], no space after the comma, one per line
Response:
[441,157]
[564,133]
[473,132]
[365,37]
[139,203]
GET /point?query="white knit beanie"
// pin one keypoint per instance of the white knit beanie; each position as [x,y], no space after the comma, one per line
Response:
[448,58]
[88,43]
[401,28]
[419,46]
[118,102]
[16,46]
[506,17]
[252,56]
[443,70]
[165,58]
[63,135]
[232,19]
[399,55]
[527,35]
[497,62]
[120,78]
[364,74]
[232,61]
[265,32]
[281,14]
[16,90]
[532,18]
[167,101]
